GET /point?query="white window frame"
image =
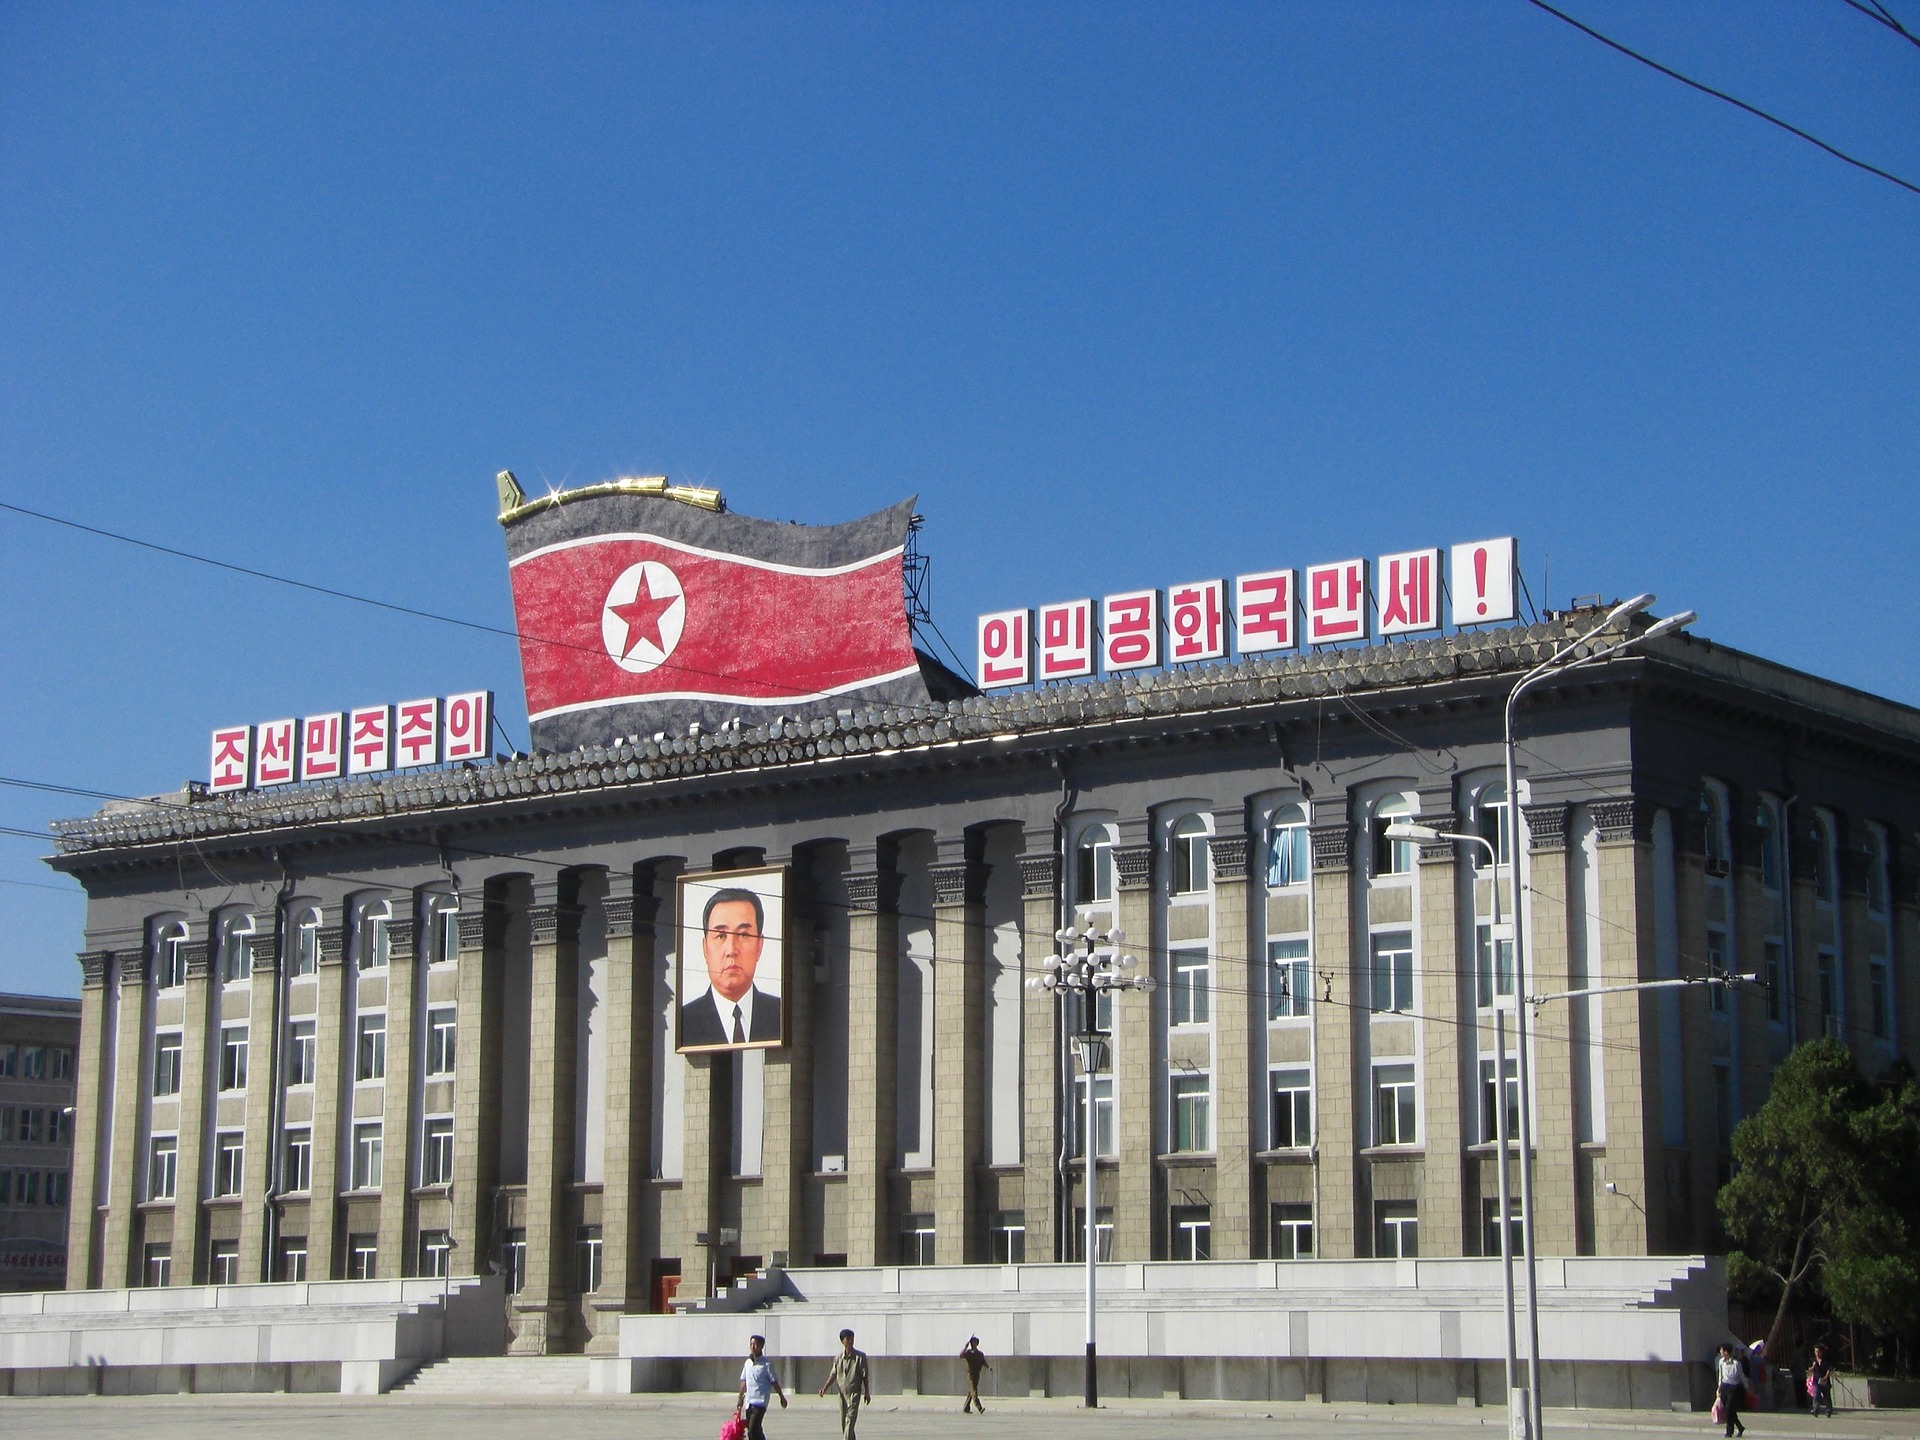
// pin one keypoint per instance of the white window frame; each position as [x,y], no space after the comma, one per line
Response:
[223,1262]
[167,1043]
[1189,985]
[443,1040]
[443,928]
[1294,1219]
[303,1050]
[163,1167]
[1390,973]
[1289,978]
[296,1159]
[363,1256]
[368,1145]
[237,935]
[1289,848]
[306,942]
[1396,1229]
[436,1151]
[229,1162]
[1396,1083]
[233,1059]
[370,1048]
[1492,812]
[1106,1136]
[1190,1232]
[169,956]
[436,1254]
[1190,1114]
[1295,1083]
[1390,859]
[372,937]
[1489,1081]
[1190,862]
[1492,981]
[1093,878]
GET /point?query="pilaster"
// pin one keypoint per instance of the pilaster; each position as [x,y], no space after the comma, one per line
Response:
[630,909]
[1134,1056]
[1623,1218]
[786,1147]
[1043,1096]
[476,1063]
[329,1061]
[959,1053]
[1449,1046]
[1338,1222]
[132,1058]
[1548,964]
[540,1309]
[263,1082]
[1236,953]
[93,1089]
[873,1003]
[197,1056]
[397,1118]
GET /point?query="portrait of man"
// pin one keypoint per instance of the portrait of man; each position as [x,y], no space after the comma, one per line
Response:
[732,960]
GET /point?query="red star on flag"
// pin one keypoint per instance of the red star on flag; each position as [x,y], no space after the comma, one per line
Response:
[642,617]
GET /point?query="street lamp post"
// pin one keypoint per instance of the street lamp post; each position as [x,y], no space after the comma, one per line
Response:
[1568,657]
[1089,965]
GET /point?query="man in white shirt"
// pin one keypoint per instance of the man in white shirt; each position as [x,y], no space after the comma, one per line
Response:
[758,1385]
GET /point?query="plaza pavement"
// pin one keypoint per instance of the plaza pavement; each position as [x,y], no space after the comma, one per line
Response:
[681,1417]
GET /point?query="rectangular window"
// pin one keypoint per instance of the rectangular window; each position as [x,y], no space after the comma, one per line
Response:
[26,1187]
[436,1254]
[1292,1109]
[443,931]
[296,1161]
[1007,1237]
[1289,858]
[363,1257]
[293,1257]
[436,1152]
[233,1058]
[1716,967]
[162,1157]
[57,1187]
[366,1156]
[1880,995]
[6,1187]
[301,1050]
[1187,1004]
[59,1127]
[375,943]
[1394,1105]
[170,962]
[370,1053]
[1094,880]
[440,1041]
[1489,1116]
[1829,972]
[31,1124]
[166,1065]
[513,1260]
[1490,1227]
[62,1061]
[306,954]
[1191,871]
[916,1240]
[586,1259]
[33,1062]
[156,1263]
[1493,972]
[9,1061]
[1292,1232]
[1775,974]
[1393,971]
[1102,1234]
[1390,857]
[6,1124]
[1289,979]
[1190,1232]
[223,1262]
[1105,1146]
[229,1159]
[1192,1113]
[1396,1230]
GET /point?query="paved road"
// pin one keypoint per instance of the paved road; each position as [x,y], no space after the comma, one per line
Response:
[643,1417]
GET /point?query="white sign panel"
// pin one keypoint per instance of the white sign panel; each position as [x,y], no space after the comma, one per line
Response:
[1065,635]
[1263,611]
[1197,621]
[1130,630]
[1482,582]
[1409,592]
[1005,656]
[1336,597]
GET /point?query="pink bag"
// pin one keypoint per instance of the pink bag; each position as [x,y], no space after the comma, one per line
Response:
[1719,1416]
[734,1428]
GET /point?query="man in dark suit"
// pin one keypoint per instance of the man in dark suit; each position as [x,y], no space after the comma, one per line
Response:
[734,1011]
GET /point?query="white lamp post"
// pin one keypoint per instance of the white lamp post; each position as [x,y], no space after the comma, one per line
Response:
[1089,964]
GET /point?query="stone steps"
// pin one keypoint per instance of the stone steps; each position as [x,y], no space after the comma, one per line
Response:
[499,1375]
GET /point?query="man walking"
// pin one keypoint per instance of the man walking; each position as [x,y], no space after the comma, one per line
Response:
[758,1385]
[976,1362]
[848,1374]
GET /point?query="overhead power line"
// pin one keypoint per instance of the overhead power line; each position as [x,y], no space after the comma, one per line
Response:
[1733,100]
[1880,15]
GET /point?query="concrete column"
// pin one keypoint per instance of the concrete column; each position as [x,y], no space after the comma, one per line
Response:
[1238,957]
[1138,1073]
[1555,1191]
[1905,944]
[198,1055]
[1623,1219]
[397,1108]
[132,1059]
[707,1094]
[959,1052]
[1697,1040]
[786,1147]
[1449,1045]
[93,1089]
[873,1004]
[263,1083]
[476,1065]
[540,1309]
[630,909]
[330,1067]
[1043,1091]
[1340,1099]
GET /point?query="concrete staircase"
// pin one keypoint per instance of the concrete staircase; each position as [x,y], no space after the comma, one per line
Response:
[500,1375]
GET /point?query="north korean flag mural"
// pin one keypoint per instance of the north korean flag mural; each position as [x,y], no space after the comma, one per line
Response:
[641,612]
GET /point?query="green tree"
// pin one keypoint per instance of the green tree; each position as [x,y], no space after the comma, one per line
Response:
[1826,1192]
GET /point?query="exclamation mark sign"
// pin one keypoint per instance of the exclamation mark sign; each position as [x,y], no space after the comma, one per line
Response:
[1480,578]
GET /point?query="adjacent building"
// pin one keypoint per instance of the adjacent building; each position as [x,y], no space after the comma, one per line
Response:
[38,1034]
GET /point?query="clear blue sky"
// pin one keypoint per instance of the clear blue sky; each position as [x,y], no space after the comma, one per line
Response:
[1128,295]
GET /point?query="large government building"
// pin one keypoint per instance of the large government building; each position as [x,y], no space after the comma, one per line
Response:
[429,1021]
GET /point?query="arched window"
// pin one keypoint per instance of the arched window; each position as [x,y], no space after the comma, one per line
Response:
[371,944]
[1191,870]
[1713,805]
[1093,867]
[234,932]
[1391,857]
[1289,856]
[443,928]
[170,955]
[1491,822]
[1766,821]
[1825,861]
[306,940]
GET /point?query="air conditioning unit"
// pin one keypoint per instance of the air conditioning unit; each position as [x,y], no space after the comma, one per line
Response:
[833,1164]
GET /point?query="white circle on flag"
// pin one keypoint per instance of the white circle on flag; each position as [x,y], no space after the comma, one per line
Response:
[642,617]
